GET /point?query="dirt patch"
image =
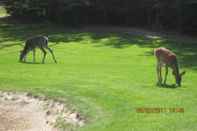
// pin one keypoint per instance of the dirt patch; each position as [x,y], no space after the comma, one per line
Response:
[23,112]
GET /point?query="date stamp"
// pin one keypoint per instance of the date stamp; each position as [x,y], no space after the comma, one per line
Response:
[160,110]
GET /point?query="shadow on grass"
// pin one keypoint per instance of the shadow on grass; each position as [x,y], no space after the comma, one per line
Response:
[2,46]
[170,86]
[32,63]
[12,30]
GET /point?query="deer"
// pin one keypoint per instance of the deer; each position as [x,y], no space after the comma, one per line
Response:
[31,44]
[166,58]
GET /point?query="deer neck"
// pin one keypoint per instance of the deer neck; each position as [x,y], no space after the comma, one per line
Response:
[175,68]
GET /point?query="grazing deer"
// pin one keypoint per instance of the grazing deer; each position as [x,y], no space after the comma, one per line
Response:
[36,42]
[167,58]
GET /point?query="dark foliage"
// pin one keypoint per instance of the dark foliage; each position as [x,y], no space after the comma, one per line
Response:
[163,14]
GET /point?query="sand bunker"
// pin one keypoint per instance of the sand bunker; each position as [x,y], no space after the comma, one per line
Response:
[23,112]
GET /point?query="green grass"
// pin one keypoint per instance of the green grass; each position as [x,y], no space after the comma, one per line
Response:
[105,76]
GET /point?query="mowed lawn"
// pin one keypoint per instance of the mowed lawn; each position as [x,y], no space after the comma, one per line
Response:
[104,76]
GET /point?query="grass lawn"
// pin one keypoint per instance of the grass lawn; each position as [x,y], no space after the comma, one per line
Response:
[105,76]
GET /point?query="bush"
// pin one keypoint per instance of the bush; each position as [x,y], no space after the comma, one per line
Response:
[163,14]
[60,11]
[27,8]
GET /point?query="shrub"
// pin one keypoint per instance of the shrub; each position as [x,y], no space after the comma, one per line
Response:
[61,11]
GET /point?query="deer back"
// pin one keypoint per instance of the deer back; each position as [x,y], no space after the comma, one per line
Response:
[165,56]
[36,42]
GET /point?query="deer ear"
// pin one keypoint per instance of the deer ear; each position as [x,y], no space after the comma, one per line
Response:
[183,73]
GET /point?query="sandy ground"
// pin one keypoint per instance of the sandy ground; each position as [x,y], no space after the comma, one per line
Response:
[23,112]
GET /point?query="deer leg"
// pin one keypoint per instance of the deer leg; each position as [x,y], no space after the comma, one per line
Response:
[166,74]
[34,54]
[43,59]
[51,51]
[158,74]
[25,57]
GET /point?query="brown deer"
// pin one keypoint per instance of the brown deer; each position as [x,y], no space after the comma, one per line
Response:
[36,42]
[167,58]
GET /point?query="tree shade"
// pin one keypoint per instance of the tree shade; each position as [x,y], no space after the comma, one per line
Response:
[164,14]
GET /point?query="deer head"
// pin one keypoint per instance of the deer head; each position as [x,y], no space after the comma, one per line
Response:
[179,78]
[22,55]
